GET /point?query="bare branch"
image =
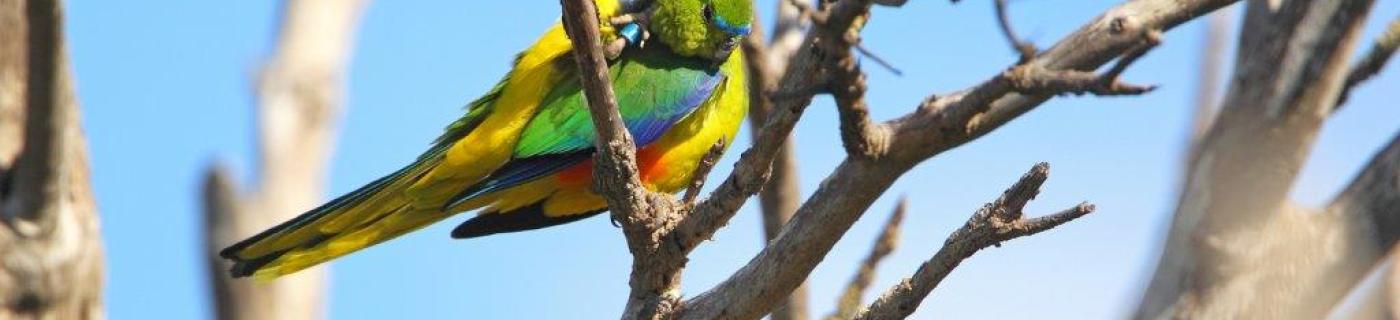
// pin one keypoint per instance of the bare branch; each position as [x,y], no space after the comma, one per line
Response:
[645,216]
[779,197]
[1374,60]
[221,209]
[1235,208]
[1372,297]
[299,94]
[885,243]
[1212,60]
[1025,49]
[996,222]
[788,33]
[878,60]
[1031,79]
[702,171]
[859,136]
[1374,195]
[616,178]
[938,125]
[753,168]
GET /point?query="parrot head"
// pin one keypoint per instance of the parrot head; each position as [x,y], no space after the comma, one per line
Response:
[702,28]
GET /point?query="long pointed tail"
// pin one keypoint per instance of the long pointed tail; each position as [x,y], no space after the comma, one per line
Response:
[369,215]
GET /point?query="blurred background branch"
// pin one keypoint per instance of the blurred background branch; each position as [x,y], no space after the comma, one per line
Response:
[1238,247]
[51,260]
[300,93]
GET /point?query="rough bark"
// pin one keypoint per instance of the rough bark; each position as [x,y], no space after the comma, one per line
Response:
[299,100]
[50,247]
[937,125]
[1237,248]
[780,196]
[996,222]
[661,232]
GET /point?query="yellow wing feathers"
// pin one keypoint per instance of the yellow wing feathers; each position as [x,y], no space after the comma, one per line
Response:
[491,144]
[414,197]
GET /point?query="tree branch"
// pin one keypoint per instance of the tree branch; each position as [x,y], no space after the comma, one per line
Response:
[1234,211]
[939,124]
[849,304]
[753,167]
[996,222]
[779,197]
[702,170]
[645,216]
[1212,60]
[1374,60]
[616,158]
[788,35]
[1374,196]
[299,94]
[1026,49]
[1374,296]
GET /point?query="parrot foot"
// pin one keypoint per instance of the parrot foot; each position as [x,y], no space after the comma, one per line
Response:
[634,27]
[614,49]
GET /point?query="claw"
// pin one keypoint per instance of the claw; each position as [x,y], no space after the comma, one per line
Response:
[614,49]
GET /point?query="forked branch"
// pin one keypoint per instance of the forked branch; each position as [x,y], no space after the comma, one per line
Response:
[997,222]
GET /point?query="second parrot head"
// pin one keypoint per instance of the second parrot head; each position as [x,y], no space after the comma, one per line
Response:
[702,28]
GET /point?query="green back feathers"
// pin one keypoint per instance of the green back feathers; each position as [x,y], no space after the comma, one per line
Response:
[654,89]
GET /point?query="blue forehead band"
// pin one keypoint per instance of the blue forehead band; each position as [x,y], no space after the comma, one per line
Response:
[729,28]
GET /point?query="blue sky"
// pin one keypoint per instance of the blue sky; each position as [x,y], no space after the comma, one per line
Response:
[165,91]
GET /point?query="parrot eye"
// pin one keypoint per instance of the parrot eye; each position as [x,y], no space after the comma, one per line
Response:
[709,13]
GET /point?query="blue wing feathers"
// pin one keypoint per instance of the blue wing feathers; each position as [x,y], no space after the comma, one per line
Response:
[566,135]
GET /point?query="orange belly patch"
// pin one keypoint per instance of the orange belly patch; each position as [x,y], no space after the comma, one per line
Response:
[581,175]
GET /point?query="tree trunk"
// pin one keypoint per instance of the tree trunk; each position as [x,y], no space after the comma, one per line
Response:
[1237,246]
[50,248]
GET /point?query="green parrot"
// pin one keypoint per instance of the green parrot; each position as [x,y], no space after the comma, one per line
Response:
[522,154]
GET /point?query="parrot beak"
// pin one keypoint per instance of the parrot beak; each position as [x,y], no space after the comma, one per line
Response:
[726,48]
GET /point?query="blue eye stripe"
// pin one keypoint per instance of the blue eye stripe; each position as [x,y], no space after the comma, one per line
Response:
[730,29]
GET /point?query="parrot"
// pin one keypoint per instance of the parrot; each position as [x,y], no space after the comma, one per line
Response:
[521,156]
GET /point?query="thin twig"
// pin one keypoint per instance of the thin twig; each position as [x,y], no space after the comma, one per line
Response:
[1373,62]
[849,303]
[697,178]
[1025,49]
[1032,79]
[996,222]
[878,60]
